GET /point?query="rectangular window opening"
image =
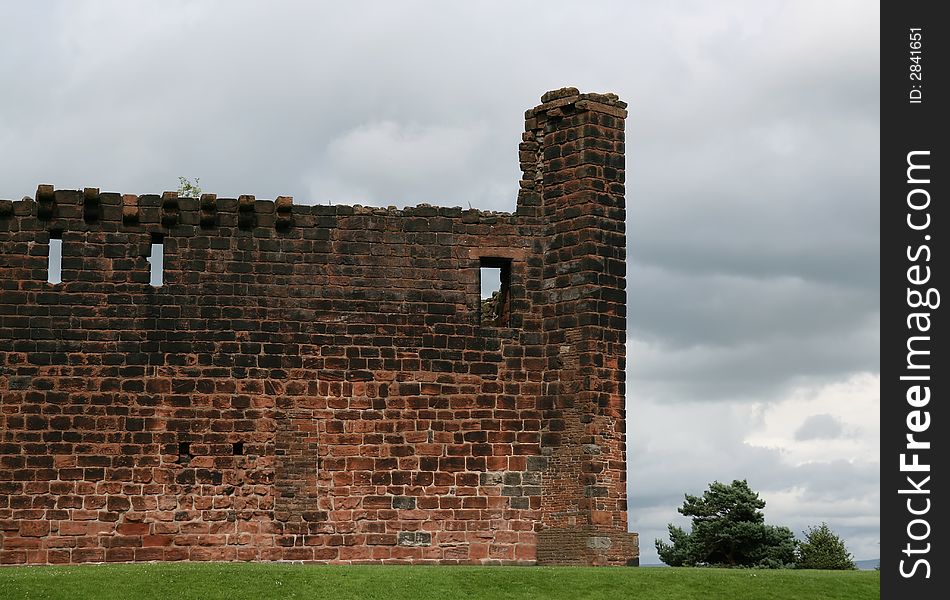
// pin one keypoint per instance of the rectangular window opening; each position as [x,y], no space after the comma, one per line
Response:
[184,453]
[157,261]
[237,448]
[494,282]
[54,268]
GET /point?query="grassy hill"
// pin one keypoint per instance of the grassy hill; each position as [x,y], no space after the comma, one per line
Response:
[208,581]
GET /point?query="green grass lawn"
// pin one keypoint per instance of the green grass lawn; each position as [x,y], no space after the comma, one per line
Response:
[208,581]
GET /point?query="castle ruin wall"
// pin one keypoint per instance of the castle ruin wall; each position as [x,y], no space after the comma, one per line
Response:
[323,383]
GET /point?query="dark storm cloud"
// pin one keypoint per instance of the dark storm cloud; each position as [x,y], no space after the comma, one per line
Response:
[752,185]
[683,309]
[749,369]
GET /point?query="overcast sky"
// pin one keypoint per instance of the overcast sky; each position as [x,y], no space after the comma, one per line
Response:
[752,172]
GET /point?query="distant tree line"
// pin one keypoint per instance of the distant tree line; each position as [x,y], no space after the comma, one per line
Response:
[729,530]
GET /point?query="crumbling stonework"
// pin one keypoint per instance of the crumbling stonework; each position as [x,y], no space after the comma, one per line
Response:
[318,383]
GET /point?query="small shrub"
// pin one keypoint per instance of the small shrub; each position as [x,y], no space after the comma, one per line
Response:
[187,189]
[823,549]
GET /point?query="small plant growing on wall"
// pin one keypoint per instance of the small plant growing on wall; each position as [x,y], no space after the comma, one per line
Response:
[187,189]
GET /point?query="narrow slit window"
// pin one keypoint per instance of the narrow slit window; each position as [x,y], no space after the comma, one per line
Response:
[494,282]
[157,261]
[54,268]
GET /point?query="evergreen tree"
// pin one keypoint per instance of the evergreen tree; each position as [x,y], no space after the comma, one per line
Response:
[823,549]
[728,530]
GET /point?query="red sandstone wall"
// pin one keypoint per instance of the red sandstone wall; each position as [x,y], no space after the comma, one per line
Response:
[316,383]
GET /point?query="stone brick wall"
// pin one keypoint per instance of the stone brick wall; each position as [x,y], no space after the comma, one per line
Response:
[318,383]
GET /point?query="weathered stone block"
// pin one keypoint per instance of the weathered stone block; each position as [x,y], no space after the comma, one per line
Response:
[415,538]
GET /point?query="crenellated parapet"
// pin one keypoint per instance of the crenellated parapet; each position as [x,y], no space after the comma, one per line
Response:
[87,209]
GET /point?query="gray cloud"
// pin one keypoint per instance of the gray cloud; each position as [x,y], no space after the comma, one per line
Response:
[752,369]
[818,427]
